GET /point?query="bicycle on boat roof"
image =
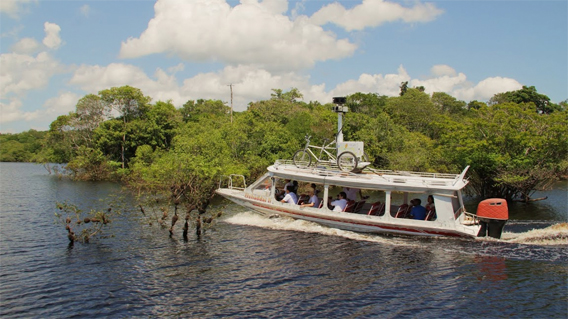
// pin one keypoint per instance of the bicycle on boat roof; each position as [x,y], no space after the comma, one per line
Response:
[347,161]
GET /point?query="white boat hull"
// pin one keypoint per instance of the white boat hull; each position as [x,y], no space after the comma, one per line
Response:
[349,221]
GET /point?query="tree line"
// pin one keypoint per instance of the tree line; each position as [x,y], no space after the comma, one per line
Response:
[515,143]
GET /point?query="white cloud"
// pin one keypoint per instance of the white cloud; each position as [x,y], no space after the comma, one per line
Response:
[485,89]
[10,111]
[249,33]
[177,68]
[372,13]
[442,69]
[85,10]
[249,84]
[443,83]
[14,8]
[446,80]
[62,104]
[26,46]
[254,84]
[388,84]
[94,78]
[20,73]
[52,39]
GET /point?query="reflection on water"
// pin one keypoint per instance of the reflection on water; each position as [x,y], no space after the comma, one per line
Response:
[491,268]
[249,266]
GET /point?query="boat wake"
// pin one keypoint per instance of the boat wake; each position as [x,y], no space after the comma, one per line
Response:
[556,234]
[277,222]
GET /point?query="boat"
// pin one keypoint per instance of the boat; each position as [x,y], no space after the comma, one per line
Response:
[387,203]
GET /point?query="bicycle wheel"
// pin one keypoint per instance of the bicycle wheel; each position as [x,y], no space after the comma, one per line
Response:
[347,161]
[302,159]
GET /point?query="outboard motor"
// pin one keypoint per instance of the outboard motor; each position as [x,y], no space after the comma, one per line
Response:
[493,214]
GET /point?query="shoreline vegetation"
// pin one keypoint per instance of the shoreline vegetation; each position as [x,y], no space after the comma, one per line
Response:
[515,144]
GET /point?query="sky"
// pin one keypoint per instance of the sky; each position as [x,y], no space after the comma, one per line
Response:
[53,53]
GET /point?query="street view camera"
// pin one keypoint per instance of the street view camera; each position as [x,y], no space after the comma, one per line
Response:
[339,102]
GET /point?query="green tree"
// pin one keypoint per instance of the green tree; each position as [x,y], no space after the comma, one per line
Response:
[290,96]
[512,150]
[527,94]
[90,112]
[164,119]
[59,144]
[448,104]
[370,104]
[475,105]
[414,111]
[194,110]
[21,147]
[130,103]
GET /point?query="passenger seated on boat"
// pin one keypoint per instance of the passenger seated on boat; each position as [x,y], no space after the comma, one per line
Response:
[313,201]
[418,211]
[430,205]
[316,191]
[290,197]
[302,199]
[340,203]
[282,193]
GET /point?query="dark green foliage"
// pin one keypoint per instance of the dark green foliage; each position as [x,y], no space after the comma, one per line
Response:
[527,94]
[21,147]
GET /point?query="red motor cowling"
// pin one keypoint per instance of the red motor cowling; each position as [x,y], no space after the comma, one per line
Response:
[493,208]
[493,214]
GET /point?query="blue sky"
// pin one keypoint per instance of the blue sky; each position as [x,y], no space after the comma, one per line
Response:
[52,53]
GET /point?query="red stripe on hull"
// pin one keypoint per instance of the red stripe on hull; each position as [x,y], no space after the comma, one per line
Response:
[381,226]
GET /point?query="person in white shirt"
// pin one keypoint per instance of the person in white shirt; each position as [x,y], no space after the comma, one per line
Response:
[340,203]
[352,193]
[290,197]
[314,200]
[282,193]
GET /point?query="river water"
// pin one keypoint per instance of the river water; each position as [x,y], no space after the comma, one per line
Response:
[246,266]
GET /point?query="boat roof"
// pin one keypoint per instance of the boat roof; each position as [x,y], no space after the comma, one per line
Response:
[370,178]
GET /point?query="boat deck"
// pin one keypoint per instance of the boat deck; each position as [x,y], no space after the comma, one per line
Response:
[373,176]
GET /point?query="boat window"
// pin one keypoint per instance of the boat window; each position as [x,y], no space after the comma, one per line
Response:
[456,205]
[402,204]
[263,186]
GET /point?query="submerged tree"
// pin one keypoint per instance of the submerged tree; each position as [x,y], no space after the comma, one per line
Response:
[82,226]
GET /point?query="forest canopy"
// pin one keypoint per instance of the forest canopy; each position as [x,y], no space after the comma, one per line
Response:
[514,144]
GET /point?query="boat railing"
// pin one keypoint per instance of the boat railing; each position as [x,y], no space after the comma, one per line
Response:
[233,181]
[403,177]
[412,174]
[469,219]
[459,211]
[322,169]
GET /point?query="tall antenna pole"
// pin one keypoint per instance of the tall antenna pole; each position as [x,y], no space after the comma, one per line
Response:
[340,110]
[231,86]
